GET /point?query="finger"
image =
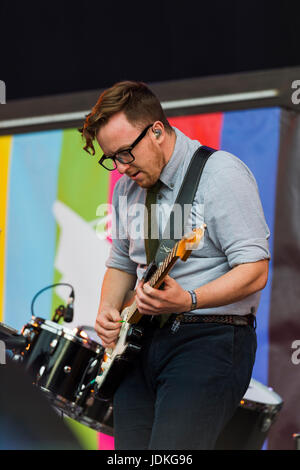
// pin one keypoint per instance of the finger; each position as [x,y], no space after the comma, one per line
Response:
[149,290]
[114,316]
[143,297]
[140,295]
[103,325]
[109,334]
[105,334]
[148,311]
[167,283]
[108,345]
[168,279]
[110,320]
[148,308]
[107,339]
[103,331]
[148,293]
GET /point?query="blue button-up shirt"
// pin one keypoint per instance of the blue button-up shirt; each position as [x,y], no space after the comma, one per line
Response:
[227,201]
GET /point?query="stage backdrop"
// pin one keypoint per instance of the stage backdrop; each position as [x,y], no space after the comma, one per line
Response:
[50,191]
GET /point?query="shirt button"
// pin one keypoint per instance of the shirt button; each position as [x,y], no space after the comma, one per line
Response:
[172,185]
[159,196]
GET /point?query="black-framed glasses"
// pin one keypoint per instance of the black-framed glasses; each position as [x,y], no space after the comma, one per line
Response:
[123,156]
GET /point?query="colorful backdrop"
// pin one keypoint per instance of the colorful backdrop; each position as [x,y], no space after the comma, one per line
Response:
[50,190]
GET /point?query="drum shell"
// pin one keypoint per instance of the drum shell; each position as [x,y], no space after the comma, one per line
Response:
[249,426]
[98,415]
[36,354]
[65,369]
[243,432]
[56,359]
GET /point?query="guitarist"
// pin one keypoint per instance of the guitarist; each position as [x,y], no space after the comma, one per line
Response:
[188,380]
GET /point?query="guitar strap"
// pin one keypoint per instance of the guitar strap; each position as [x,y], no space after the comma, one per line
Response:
[185,200]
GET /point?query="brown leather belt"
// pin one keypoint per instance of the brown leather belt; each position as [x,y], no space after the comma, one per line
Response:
[238,320]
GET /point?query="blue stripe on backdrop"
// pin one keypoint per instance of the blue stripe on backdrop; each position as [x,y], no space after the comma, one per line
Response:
[253,136]
[31,225]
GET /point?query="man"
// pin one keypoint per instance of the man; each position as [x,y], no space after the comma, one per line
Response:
[187,383]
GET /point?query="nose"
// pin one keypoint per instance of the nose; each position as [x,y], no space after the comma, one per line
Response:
[122,167]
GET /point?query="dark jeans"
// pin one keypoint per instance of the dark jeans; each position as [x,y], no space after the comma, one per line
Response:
[185,387]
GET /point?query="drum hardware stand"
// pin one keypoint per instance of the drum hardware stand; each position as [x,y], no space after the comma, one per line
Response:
[84,390]
[269,418]
[58,314]
[61,312]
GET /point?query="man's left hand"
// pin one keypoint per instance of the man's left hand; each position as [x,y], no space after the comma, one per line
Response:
[171,299]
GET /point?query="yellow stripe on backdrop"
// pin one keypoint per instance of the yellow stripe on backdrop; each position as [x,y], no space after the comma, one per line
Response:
[87,437]
[5,150]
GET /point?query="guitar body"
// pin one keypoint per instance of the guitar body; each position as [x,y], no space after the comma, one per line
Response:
[118,361]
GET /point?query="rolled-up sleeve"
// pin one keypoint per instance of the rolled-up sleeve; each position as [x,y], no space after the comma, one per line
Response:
[234,215]
[119,251]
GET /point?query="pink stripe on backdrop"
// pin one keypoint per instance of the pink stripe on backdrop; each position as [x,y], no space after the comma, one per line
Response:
[105,442]
[113,178]
[207,128]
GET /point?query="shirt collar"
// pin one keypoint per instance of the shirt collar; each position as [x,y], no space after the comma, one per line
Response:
[168,174]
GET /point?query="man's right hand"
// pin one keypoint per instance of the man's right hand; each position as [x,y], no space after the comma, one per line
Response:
[108,325]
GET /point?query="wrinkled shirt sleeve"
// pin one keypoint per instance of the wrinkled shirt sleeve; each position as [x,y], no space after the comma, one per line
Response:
[234,216]
[119,251]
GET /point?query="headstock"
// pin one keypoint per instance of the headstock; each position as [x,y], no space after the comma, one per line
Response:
[190,242]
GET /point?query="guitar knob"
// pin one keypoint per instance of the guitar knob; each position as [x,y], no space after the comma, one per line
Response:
[135,333]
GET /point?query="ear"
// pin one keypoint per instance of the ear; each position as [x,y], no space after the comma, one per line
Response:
[158,131]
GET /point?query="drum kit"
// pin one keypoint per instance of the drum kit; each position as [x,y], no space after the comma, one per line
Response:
[64,363]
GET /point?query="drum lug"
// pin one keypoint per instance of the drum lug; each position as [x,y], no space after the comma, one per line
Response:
[268,419]
[29,334]
[92,366]
[41,372]
[53,345]
[17,358]
[266,423]
[67,369]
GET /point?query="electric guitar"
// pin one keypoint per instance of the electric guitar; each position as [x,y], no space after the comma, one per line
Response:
[116,362]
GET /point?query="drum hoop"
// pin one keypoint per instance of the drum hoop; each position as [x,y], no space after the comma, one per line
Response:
[262,407]
[259,385]
[61,330]
[47,325]
[86,343]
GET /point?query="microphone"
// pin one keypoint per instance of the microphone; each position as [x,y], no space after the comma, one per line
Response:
[69,311]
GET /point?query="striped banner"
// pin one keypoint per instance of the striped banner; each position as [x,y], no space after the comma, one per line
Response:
[50,191]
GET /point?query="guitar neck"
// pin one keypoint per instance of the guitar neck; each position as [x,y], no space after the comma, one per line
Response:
[155,281]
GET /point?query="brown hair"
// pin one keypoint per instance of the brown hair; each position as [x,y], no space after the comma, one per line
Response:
[135,99]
